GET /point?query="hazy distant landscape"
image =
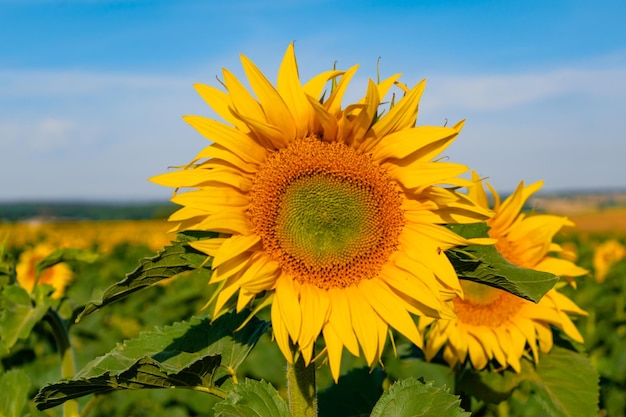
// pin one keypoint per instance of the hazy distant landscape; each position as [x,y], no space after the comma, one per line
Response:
[568,203]
[74,211]
[565,203]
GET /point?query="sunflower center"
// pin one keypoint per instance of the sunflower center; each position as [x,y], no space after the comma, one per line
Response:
[325,221]
[328,214]
[486,306]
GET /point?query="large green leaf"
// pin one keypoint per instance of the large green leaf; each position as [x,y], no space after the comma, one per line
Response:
[252,399]
[14,386]
[195,354]
[413,398]
[19,313]
[172,260]
[484,264]
[564,382]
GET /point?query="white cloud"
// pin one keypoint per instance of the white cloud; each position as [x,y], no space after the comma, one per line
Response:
[93,134]
[41,84]
[39,135]
[499,92]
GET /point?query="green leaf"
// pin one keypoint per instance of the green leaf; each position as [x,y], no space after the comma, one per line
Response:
[488,385]
[14,386]
[65,255]
[171,261]
[413,398]
[19,313]
[564,382]
[361,386]
[484,264]
[7,270]
[252,399]
[196,354]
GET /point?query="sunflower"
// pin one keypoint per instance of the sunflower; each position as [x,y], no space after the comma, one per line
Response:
[493,324]
[330,215]
[605,256]
[59,275]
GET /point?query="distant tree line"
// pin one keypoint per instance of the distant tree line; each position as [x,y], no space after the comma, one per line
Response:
[47,211]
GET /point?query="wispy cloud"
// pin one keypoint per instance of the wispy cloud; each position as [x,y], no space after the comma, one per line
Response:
[40,135]
[499,92]
[98,134]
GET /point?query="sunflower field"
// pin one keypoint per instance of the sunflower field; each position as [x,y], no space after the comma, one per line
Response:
[323,260]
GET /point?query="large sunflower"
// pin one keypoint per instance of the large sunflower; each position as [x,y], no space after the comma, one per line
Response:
[330,213]
[59,275]
[492,323]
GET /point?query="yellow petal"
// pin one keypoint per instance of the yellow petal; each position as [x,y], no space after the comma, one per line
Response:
[290,310]
[202,177]
[220,102]
[186,213]
[244,299]
[477,353]
[272,136]
[208,246]
[281,334]
[401,116]
[333,103]
[363,317]
[415,281]
[234,246]
[341,320]
[509,210]
[229,289]
[291,90]
[243,102]
[315,85]
[564,304]
[234,140]
[360,119]
[276,111]
[424,174]
[334,348]
[386,84]
[437,338]
[219,196]
[231,222]
[262,279]
[324,121]
[221,153]
[230,267]
[403,143]
[477,191]
[384,302]
[544,333]
[427,251]
[315,308]
[560,267]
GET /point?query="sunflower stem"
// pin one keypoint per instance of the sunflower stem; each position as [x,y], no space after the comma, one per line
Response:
[301,390]
[68,367]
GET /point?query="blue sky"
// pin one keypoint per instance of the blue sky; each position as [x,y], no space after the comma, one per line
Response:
[92,91]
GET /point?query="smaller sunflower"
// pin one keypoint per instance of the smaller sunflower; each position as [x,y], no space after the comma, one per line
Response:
[605,256]
[492,323]
[59,275]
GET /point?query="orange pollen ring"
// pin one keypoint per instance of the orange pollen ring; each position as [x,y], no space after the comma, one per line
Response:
[486,306]
[326,213]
